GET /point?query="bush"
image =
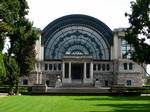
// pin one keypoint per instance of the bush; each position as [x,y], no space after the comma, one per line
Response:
[145,89]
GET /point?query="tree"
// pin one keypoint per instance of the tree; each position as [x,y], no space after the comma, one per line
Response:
[12,78]
[2,68]
[22,35]
[139,31]
[8,15]
[22,46]
[9,10]
[148,80]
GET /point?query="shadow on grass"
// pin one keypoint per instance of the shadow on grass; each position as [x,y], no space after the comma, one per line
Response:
[122,111]
[125,107]
[117,98]
[142,103]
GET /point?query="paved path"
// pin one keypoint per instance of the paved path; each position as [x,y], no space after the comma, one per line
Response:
[145,94]
[3,94]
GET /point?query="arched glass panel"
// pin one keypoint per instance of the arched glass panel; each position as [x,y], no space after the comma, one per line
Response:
[77,35]
[77,40]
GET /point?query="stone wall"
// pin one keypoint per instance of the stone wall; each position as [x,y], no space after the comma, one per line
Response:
[129,71]
[103,77]
[113,74]
[136,80]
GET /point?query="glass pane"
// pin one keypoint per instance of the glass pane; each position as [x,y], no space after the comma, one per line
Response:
[99,67]
[46,66]
[128,82]
[55,66]
[88,70]
[103,67]
[50,66]
[66,70]
[108,67]
[130,66]
[59,66]
[125,66]
[94,67]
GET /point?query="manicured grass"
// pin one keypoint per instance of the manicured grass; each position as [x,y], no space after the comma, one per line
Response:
[75,104]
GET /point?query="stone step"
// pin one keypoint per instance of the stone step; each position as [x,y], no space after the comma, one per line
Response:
[78,85]
[78,90]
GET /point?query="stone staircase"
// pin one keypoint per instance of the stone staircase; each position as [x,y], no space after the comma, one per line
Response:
[78,90]
[77,85]
[71,88]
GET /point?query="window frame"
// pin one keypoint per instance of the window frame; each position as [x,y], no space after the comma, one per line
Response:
[125,66]
[129,82]
[130,66]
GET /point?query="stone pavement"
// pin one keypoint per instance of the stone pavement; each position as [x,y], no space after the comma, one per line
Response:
[3,94]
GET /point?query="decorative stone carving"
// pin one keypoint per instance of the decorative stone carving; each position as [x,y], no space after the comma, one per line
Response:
[58,82]
[97,83]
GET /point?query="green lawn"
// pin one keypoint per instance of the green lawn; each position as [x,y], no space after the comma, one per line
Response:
[74,104]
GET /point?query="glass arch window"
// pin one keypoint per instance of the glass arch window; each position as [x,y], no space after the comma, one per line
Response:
[83,35]
[86,42]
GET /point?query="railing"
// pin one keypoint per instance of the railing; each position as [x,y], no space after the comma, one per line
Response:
[103,66]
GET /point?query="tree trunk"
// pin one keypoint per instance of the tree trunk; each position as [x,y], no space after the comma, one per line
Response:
[17,86]
[11,89]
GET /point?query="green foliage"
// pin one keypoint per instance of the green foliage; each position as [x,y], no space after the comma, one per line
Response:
[4,27]
[148,80]
[22,45]
[139,21]
[12,73]
[9,10]
[2,68]
[20,59]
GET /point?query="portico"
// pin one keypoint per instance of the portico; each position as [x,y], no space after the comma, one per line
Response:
[77,69]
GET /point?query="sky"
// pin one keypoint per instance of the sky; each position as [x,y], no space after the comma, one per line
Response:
[111,12]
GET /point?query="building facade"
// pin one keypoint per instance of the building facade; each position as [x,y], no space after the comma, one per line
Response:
[82,50]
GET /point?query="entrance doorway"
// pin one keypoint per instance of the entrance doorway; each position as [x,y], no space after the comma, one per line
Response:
[77,71]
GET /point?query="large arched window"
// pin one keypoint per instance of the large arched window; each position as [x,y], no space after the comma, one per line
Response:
[77,38]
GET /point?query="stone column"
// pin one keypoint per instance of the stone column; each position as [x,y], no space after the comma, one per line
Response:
[63,70]
[40,78]
[84,77]
[91,71]
[37,73]
[69,71]
[115,46]
[40,74]
[52,66]
[37,78]
[47,66]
